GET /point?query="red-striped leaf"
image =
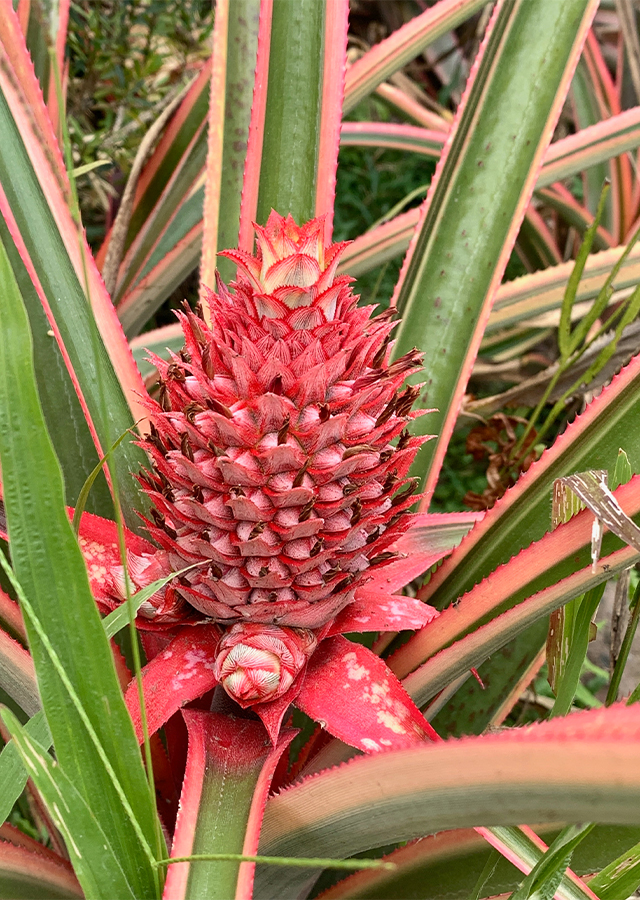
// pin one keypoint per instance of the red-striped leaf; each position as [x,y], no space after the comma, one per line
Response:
[230,765]
[333,74]
[35,874]
[403,45]
[573,769]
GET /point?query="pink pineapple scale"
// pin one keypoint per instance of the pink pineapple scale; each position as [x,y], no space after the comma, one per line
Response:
[279,444]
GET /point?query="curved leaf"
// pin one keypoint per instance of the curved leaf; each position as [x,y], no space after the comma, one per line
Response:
[592,441]
[95,859]
[17,675]
[478,198]
[554,565]
[49,566]
[404,45]
[569,770]
[13,775]
[25,874]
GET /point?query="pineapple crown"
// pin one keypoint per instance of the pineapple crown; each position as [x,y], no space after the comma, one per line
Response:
[292,268]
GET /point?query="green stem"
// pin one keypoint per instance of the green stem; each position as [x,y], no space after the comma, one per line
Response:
[579,643]
[618,669]
[295,862]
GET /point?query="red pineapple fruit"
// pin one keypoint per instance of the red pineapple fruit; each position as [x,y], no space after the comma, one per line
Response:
[279,483]
[279,445]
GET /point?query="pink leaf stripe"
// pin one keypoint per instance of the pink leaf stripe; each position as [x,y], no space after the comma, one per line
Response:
[164,147]
[60,46]
[609,138]
[413,109]
[14,231]
[236,748]
[17,674]
[19,64]
[181,672]
[519,863]
[377,714]
[170,270]
[417,853]
[518,774]
[335,43]
[531,562]
[254,823]
[403,45]
[213,179]
[11,616]
[390,134]
[138,253]
[251,180]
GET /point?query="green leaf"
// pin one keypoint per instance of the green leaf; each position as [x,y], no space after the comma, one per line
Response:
[551,866]
[620,878]
[50,568]
[61,285]
[520,843]
[600,303]
[578,643]
[242,46]
[89,167]
[63,414]
[83,496]
[564,329]
[623,656]
[290,148]
[13,775]
[587,113]
[567,770]
[476,202]
[95,860]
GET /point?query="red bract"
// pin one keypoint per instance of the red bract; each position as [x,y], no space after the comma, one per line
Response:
[279,461]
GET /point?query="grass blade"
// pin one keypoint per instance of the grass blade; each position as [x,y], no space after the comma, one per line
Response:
[95,860]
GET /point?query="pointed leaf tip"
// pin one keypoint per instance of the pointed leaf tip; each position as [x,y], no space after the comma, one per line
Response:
[355,696]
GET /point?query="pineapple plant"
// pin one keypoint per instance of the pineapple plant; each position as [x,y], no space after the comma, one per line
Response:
[274,480]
